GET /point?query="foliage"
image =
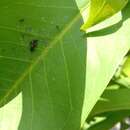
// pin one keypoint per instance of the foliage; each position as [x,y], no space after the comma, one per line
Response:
[52,74]
[102,9]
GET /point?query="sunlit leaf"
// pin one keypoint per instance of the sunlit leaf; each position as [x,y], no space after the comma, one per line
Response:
[106,50]
[99,10]
[126,67]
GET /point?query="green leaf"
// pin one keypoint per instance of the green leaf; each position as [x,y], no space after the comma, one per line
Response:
[52,77]
[10,114]
[106,50]
[126,67]
[112,100]
[99,10]
[111,118]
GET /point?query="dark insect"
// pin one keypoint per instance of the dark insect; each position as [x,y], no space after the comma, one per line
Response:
[33,45]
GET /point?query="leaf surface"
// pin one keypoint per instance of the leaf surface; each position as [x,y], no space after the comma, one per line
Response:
[106,48]
[111,118]
[52,77]
[99,10]
[112,100]
[58,92]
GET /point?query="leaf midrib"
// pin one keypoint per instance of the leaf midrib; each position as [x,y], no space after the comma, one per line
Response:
[43,55]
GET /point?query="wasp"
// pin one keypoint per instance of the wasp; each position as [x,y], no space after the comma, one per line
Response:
[33,45]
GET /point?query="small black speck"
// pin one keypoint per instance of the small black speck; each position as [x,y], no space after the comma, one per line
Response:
[33,45]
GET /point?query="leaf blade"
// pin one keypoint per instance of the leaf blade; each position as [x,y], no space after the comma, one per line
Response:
[101,10]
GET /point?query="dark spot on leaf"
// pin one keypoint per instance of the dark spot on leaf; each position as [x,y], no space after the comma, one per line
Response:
[33,45]
[21,20]
[58,27]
